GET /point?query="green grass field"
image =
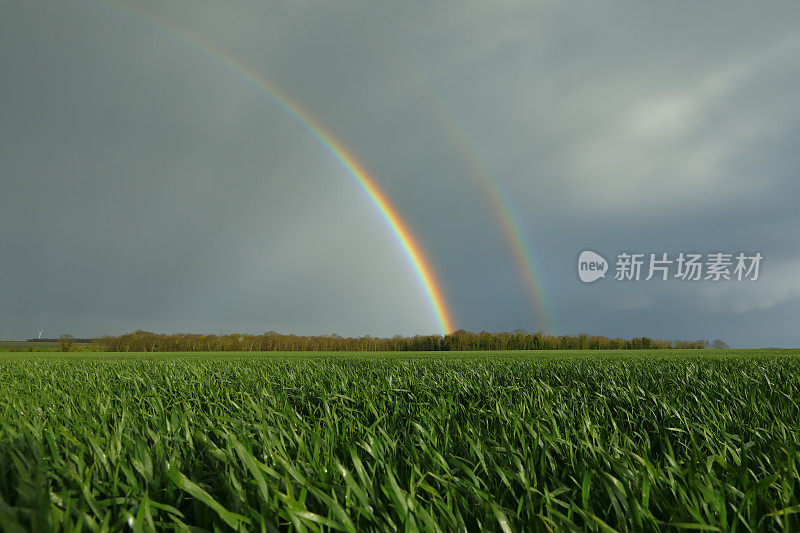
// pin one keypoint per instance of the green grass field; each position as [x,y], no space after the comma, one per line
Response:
[595,441]
[25,346]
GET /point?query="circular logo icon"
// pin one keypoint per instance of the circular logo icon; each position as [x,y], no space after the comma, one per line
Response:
[591,266]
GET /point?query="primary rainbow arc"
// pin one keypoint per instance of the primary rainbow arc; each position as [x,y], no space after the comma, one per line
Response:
[337,149]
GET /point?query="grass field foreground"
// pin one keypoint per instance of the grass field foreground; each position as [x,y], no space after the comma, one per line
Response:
[355,442]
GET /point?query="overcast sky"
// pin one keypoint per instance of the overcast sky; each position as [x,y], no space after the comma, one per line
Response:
[144,186]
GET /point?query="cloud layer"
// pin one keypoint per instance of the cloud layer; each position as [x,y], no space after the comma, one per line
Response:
[144,186]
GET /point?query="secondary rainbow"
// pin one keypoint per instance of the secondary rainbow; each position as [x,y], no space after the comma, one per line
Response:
[302,117]
[500,204]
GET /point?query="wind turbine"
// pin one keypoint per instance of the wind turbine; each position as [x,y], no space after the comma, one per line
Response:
[40,334]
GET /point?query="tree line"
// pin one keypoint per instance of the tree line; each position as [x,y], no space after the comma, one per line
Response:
[51,340]
[145,341]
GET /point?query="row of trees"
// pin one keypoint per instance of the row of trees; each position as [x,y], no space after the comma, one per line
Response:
[50,341]
[145,341]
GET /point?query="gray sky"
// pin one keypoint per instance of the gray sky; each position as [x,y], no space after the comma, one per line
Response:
[144,186]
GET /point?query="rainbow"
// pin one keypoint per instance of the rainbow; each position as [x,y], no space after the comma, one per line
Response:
[501,206]
[302,117]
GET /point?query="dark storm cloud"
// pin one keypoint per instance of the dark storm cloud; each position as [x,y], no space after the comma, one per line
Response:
[144,186]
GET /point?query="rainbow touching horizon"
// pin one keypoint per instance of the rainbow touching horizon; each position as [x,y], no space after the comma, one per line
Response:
[302,117]
[501,207]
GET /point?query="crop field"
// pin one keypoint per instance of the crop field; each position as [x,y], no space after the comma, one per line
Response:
[550,441]
[25,346]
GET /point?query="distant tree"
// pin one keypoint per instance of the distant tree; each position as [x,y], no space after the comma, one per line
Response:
[719,344]
[147,341]
[66,342]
